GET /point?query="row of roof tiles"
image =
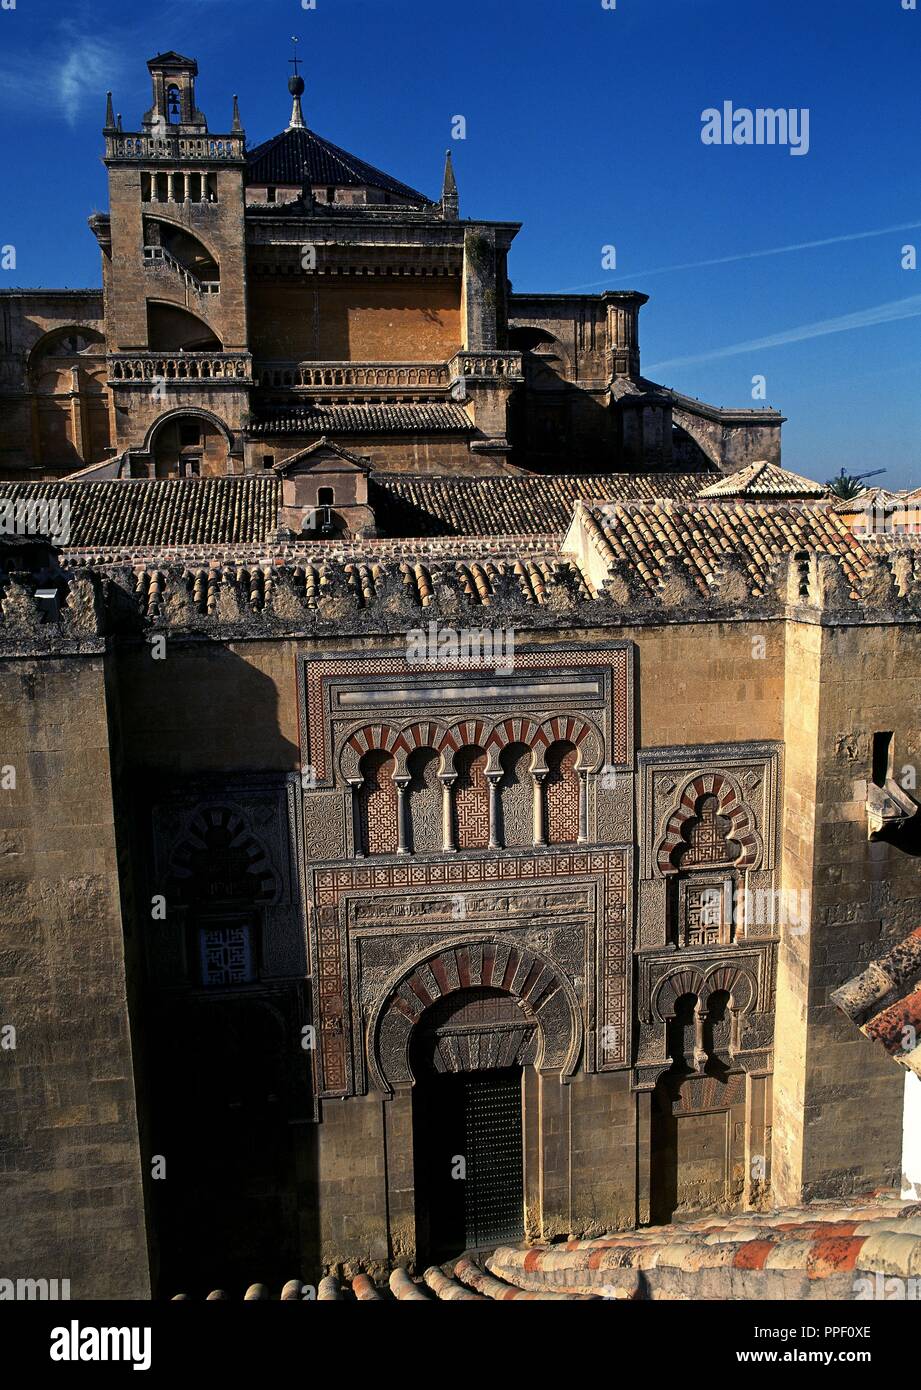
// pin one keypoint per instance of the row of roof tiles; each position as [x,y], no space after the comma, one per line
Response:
[835,1250]
[649,537]
[826,1250]
[436,417]
[884,1001]
[233,510]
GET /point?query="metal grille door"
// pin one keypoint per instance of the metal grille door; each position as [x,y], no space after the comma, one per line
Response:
[494,1190]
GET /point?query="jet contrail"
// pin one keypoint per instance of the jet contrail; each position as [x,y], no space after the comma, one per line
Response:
[755,255]
[891,312]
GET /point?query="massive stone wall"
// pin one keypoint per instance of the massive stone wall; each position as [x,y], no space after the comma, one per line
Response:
[72,1205]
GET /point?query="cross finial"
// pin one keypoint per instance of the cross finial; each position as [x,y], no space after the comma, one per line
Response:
[294,62]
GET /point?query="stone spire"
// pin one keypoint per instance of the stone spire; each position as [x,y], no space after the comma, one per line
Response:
[237,123]
[296,87]
[110,113]
[450,203]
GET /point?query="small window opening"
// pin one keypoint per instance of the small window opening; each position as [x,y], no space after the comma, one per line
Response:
[271,195]
[330,195]
[325,497]
[189,434]
[268,460]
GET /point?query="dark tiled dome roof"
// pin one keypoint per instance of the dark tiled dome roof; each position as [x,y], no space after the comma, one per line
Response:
[281,160]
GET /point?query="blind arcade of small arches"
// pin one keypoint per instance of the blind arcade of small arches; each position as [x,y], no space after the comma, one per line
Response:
[436,788]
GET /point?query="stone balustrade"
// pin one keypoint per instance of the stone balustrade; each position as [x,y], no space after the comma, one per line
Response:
[176,148]
[180,366]
[155,256]
[295,375]
[486,364]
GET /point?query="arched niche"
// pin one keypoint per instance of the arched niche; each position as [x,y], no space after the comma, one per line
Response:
[500,964]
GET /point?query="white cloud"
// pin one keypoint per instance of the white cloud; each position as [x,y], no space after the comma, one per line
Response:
[753,255]
[78,82]
[89,71]
[890,312]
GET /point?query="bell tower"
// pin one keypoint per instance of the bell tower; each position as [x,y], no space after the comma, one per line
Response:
[174,278]
[174,95]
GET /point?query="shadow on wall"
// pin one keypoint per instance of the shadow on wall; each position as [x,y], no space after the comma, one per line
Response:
[204,708]
[222,1080]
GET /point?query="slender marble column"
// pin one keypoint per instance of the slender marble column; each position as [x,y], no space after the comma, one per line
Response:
[493,779]
[447,780]
[357,838]
[401,784]
[540,835]
[700,1053]
[583,807]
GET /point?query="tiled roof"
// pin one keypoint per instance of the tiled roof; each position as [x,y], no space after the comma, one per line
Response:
[281,161]
[885,1001]
[442,417]
[137,513]
[413,585]
[652,536]
[826,1250]
[763,479]
[517,504]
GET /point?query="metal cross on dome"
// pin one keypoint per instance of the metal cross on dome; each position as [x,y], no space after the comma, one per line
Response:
[295,60]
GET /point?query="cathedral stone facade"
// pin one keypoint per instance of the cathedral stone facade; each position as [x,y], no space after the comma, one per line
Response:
[444,774]
[257,299]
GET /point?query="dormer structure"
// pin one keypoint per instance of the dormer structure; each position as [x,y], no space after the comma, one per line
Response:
[325,492]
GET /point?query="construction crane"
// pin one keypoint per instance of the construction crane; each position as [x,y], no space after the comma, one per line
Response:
[846,484]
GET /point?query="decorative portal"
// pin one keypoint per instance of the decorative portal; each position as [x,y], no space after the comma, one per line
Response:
[503,965]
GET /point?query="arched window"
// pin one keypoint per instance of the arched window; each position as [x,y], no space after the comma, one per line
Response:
[325,497]
[561,792]
[425,809]
[718,1032]
[706,838]
[680,1032]
[173,105]
[516,797]
[471,799]
[377,804]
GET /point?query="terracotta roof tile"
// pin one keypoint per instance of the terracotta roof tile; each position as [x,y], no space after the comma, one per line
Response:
[763,479]
[649,536]
[442,417]
[517,504]
[884,1001]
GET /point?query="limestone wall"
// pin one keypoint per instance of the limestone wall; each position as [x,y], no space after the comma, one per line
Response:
[71,1203]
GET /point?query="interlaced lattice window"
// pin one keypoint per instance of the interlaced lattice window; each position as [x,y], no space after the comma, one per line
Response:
[226,954]
[471,800]
[561,790]
[378,804]
[707,838]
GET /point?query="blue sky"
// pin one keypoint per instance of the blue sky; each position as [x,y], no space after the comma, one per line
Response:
[584,123]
